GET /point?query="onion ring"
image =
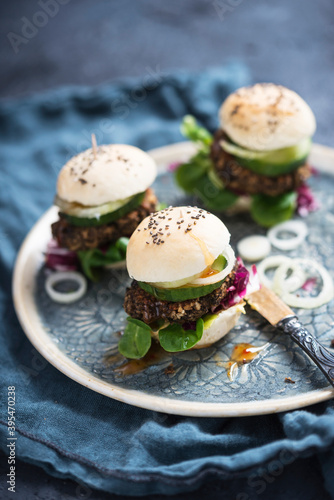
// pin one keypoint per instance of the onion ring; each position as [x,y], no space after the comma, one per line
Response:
[291,284]
[326,294]
[65,298]
[297,227]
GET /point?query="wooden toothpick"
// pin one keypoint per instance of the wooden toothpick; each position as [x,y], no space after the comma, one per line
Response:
[94,146]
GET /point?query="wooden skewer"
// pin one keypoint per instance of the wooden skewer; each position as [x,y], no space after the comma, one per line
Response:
[94,146]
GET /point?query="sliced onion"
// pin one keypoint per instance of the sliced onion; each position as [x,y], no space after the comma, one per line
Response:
[65,298]
[326,294]
[292,283]
[297,227]
[230,257]
[254,248]
[272,262]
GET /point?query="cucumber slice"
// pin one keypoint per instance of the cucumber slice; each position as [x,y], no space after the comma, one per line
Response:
[218,265]
[175,284]
[179,294]
[78,210]
[271,163]
[106,218]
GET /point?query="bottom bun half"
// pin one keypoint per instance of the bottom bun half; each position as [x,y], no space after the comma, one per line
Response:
[215,328]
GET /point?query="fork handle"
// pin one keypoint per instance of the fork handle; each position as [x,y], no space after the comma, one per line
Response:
[310,345]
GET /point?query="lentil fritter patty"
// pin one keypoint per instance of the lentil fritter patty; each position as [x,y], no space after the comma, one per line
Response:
[242,180]
[84,238]
[140,304]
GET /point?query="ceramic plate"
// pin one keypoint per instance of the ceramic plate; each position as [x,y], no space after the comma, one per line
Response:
[81,339]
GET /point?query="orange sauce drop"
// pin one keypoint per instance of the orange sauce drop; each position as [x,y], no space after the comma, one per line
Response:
[241,355]
[207,255]
[155,355]
[208,272]
[244,353]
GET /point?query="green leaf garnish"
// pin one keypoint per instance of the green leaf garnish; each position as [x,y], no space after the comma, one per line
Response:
[213,197]
[190,174]
[92,260]
[174,338]
[195,132]
[161,206]
[270,210]
[136,339]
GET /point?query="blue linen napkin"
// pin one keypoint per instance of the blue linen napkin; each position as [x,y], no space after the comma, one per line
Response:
[63,427]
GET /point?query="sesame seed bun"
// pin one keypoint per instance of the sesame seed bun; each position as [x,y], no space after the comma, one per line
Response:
[221,326]
[265,117]
[174,244]
[119,171]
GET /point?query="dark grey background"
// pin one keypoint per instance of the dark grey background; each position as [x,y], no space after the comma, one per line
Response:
[89,42]
[92,41]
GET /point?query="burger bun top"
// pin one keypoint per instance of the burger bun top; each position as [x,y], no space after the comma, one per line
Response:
[118,172]
[266,117]
[175,243]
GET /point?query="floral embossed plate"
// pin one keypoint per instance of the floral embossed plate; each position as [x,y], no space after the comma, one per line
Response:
[81,339]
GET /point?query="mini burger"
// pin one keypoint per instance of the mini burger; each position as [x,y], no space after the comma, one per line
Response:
[102,194]
[188,286]
[260,152]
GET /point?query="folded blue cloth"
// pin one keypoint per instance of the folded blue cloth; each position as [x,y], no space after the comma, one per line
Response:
[63,427]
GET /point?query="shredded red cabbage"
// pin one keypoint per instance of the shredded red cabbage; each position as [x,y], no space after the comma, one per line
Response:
[237,291]
[189,325]
[309,284]
[245,282]
[174,166]
[60,259]
[306,202]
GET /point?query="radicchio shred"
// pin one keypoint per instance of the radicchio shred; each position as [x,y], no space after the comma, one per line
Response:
[306,202]
[245,282]
[237,291]
[60,259]
[174,166]
[189,325]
